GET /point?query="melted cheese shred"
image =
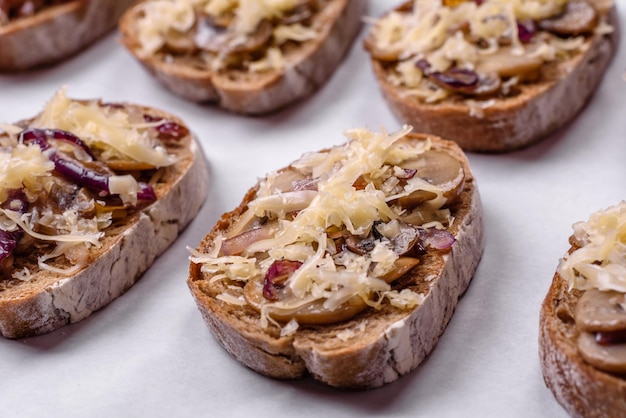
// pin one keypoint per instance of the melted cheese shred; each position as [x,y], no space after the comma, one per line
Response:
[600,262]
[327,273]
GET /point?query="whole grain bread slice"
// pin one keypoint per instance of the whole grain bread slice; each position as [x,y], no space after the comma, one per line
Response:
[375,347]
[504,124]
[305,69]
[583,390]
[57,32]
[48,300]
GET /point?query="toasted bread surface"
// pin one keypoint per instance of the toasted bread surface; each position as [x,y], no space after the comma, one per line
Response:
[49,300]
[57,32]
[305,69]
[507,123]
[583,390]
[381,345]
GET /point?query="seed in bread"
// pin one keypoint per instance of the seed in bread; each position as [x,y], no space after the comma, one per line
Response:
[347,264]
[491,75]
[249,56]
[90,194]
[583,325]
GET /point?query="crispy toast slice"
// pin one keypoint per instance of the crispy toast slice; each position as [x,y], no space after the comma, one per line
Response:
[374,347]
[555,93]
[57,32]
[304,69]
[47,299]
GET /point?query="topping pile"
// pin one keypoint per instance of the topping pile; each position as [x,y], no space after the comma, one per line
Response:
[598,267]
[434,49]
[248,35]
[337,230]
[15,9]
[70,173]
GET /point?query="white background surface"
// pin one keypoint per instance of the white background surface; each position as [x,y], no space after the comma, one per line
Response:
[149,354]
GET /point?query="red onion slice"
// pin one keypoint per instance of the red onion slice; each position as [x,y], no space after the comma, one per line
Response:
[276,276]
[526,30]
[74,170]
[611,337]
[9,239]
[167,127]
[40,137]
[438,239]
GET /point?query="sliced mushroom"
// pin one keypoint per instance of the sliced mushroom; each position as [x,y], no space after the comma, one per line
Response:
[610,358]
[220,22]
[313,313]
[601,311]
[401,266]
[404,242]
[227,43]
[358,245]
[291,179]
[505,63]
[579,18]
[239,243]
[462,80]
[439,169]
[381,54]
[179,43]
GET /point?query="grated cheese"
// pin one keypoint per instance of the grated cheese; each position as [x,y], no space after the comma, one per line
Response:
[77,223]
[457,36]
[161,20]
[326,274]
[600,261]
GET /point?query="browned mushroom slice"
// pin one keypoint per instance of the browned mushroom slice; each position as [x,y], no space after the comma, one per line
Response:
[291,180]
[401,266]
[505,63]
[579,18]
[221,22]
[406,239]
[610,358]
[239,243]
[313,313]
[227,43]
[381,54]
[179,43]
[468,82]
[462,80]
[601,311]
[358,245]
[439,169]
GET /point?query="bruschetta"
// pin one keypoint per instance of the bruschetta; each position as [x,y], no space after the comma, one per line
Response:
[582,336]
[248,56]
[90,194]
[346,265]
[492,75]
[39,32]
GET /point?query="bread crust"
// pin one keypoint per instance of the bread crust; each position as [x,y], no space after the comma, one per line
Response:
[49,301]
[581,389]
[394,342]
[57,32]
[514,122]
[306,68]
